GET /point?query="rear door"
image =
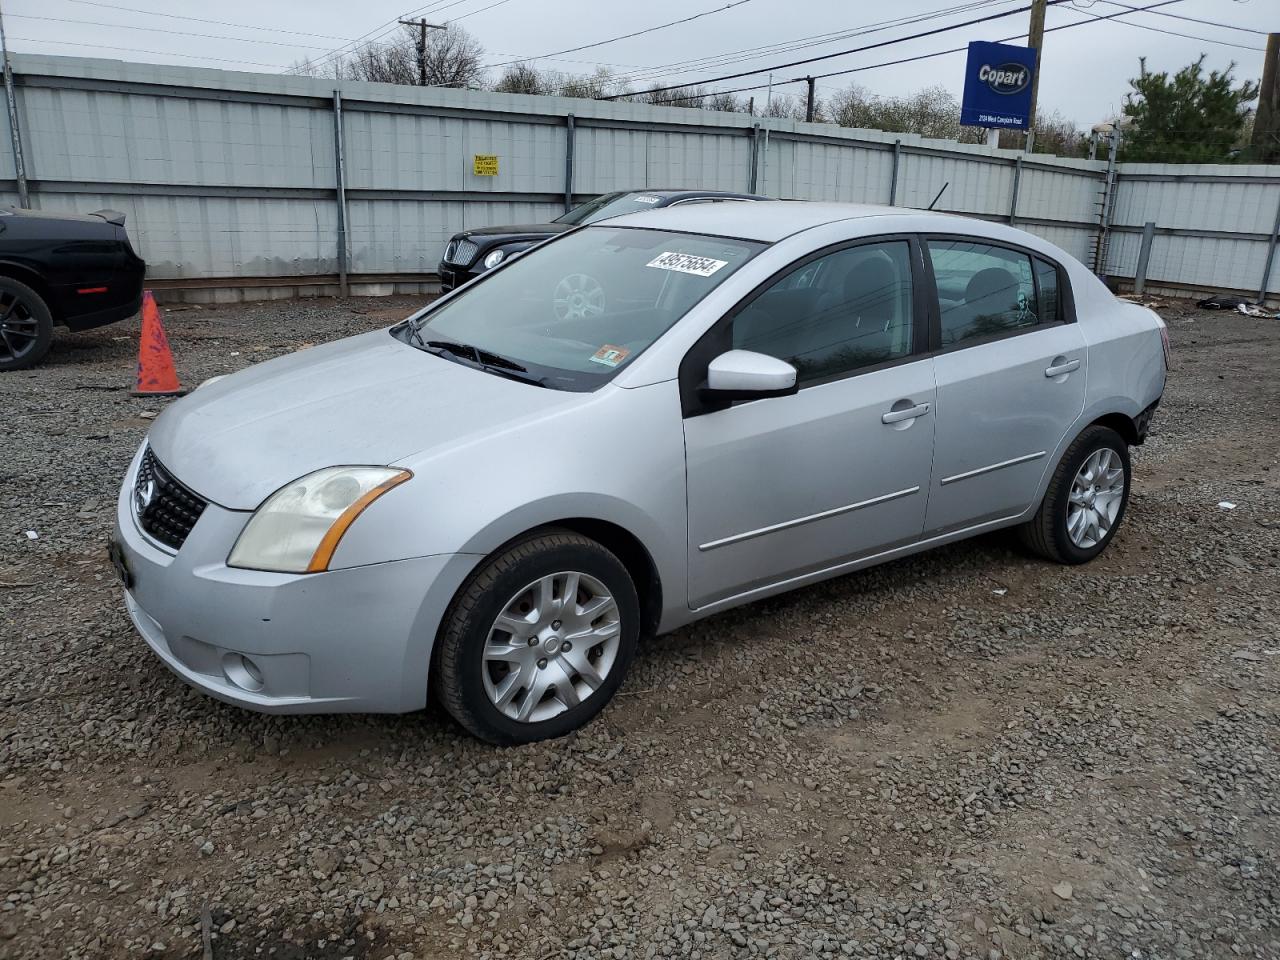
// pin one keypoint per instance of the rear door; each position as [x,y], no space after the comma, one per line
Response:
[786,486]
[1011,374]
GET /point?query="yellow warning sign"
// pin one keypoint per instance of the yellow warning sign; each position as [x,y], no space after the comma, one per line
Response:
[484,165]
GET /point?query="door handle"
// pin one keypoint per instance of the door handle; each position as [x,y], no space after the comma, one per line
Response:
[1058,369]
[910,413]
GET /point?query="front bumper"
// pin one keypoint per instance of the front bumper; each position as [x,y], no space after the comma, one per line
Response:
[353,640]
[453,276]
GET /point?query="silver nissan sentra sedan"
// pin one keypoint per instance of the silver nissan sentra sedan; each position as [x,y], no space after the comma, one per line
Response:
[497,498]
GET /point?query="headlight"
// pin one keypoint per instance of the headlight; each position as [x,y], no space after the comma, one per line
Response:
[299,526]
[493,259]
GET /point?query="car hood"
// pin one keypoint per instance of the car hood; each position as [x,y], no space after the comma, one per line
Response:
[370,399]
[486,236]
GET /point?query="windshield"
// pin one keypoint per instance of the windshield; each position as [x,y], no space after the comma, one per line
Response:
[573,311]
[610,205]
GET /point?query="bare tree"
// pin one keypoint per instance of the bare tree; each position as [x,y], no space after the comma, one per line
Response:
[725,103]
[931,112]
[451,58]
[784,107]
[602,83]
[523,78]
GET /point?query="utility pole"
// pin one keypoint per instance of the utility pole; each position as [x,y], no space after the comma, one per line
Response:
[423,27]
[808,110]
[1035,39]
[1266,123]
[19,167]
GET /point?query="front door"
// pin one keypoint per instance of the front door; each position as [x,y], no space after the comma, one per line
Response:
[1011,379]
[786,486]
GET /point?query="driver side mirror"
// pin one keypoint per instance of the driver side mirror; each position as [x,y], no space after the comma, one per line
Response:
[747,375]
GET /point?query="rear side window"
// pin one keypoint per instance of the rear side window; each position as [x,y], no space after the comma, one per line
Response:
[983,290]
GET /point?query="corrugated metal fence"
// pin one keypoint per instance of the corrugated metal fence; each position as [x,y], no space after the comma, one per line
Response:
[233,181]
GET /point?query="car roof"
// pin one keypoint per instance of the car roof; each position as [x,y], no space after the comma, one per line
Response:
[766,222]
[668,193]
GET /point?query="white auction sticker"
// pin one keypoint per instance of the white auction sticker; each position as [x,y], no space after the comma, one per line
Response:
[646,199]
[687,263]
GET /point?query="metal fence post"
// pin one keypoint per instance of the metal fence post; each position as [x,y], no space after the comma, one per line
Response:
[568,163]
[1271,255]
[1108,203]
[755,158]
[893,177]
[1013,194]
[340,180]
[15,131]
[1144,257]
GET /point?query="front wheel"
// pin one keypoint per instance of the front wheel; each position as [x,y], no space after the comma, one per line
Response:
[538,640]
[1086,499]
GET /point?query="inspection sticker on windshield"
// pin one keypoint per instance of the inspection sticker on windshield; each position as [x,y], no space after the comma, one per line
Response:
[610,355]
[687,263]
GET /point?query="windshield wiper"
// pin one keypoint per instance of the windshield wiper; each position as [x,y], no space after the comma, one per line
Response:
[484,359]
[415,335]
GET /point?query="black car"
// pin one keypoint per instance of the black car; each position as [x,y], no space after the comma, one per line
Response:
[472,252]
[78,271]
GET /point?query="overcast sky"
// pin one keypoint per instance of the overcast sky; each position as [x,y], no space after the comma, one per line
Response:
[1084,73]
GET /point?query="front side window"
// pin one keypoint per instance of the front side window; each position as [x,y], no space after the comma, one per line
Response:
[572,311]
[834,315]
[983,289]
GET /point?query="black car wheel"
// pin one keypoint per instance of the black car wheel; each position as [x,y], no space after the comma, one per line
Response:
[26,326]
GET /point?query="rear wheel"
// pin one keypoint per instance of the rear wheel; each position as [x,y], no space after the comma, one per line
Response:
[26,326]
[538,640]
[1086,499]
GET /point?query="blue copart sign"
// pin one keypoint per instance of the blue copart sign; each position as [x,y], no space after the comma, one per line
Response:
[997,85]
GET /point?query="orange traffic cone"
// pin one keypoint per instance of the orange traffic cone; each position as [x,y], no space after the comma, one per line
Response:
[156,375]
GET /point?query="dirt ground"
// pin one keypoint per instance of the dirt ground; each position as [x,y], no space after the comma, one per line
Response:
[964,754]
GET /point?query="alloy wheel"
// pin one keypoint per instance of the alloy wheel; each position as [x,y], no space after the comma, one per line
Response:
[1096,495]
[19,328]
[552,646]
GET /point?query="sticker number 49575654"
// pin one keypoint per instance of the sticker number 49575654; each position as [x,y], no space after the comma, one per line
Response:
[686,263]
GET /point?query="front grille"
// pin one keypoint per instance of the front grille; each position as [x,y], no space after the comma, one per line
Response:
[166,510]
[460,252]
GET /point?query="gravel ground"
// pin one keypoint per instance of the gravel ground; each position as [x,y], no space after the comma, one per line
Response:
[964,754]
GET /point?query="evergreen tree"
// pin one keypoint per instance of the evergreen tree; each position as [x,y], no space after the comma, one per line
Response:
[1189,118]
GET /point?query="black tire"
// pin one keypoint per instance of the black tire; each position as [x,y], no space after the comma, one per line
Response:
[459,668]
[1046,533]
[26,326]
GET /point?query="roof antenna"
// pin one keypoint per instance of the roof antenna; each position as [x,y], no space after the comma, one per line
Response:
[939,196]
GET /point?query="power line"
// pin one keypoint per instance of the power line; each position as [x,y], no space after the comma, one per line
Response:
[177,33]
[843,53]
[637,33]
[735,56]
[497,3]
[162,53]
[918,57]
[636,72]
[220,23]
[1179,16]
[361,41]
[1170,33]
